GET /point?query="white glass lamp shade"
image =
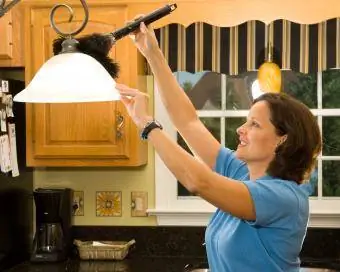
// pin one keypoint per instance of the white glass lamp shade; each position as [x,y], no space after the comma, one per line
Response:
[70,78]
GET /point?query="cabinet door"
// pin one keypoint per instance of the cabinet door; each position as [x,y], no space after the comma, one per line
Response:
[11,41]
[80,134]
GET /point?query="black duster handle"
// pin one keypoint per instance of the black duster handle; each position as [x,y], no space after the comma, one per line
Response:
[147,19]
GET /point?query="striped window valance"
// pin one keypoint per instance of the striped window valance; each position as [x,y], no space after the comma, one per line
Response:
[234,50]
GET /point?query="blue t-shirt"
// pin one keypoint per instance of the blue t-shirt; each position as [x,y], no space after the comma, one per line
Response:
[272,242]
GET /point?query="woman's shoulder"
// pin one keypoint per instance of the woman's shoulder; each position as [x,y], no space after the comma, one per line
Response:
[276,199]
[270,181]
[286,189]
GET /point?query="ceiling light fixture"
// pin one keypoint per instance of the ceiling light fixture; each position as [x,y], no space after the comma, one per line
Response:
[269,73]
[70,76]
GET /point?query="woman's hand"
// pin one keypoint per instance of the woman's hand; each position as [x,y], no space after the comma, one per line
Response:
[136,103]
[145,40]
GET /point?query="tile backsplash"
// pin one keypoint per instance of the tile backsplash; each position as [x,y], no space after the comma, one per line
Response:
[109,203]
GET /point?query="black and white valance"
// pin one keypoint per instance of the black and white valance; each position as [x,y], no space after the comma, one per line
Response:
[234,50]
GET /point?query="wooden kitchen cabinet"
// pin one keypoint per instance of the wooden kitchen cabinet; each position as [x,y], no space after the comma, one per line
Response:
[81,134]
[11,41]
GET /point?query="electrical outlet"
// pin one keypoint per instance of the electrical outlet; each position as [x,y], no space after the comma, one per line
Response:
[78,203]
[139,203]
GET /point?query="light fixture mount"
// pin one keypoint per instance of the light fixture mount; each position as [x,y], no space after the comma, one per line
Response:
[69,46]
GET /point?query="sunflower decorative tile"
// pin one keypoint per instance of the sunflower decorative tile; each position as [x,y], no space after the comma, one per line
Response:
[108,203]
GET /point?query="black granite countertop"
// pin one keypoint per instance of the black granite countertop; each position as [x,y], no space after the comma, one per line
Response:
[170,249]
[145,264]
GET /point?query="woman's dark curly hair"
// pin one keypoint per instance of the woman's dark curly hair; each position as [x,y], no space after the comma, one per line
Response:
[296,157]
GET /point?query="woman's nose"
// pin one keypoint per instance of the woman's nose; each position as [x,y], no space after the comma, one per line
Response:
[240,130]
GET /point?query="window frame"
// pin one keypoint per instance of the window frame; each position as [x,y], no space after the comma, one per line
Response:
[171,209]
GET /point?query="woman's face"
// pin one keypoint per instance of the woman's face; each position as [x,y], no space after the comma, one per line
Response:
[257,137]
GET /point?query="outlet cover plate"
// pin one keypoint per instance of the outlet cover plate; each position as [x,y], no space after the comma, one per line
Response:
[139,204]
[78,203]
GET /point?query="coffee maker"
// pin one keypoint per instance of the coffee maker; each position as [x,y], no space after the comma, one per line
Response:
[52,239]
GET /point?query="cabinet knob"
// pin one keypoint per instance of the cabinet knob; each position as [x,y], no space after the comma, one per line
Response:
[120,125]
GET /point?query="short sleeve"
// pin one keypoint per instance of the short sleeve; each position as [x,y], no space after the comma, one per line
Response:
[229,166]
[275,201]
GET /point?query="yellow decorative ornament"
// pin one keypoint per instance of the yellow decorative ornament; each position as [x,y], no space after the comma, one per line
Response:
[269,76]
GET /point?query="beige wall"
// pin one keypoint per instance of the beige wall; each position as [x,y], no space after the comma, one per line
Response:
[91,180]
[103,179]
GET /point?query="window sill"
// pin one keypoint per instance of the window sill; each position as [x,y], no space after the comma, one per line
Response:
[201,218]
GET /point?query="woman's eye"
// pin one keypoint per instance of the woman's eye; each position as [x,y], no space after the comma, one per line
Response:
[254,124]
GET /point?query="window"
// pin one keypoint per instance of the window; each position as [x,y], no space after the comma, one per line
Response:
[222,102]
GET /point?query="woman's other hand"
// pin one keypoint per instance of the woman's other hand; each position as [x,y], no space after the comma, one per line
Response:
[145,39]
[136,103]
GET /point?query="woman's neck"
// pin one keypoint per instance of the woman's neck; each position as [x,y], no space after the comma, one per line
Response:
[256,171]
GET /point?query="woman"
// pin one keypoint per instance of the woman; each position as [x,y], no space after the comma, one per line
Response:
[262,206]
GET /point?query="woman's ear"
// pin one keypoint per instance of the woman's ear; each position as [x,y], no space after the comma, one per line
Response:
[282,140]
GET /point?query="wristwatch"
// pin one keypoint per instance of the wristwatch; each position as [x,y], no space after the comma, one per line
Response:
[149,126]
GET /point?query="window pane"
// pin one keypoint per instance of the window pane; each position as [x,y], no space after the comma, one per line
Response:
[301,86]
[182,143]
[238,91]
[203,89]
[313,183]
[231,137]
[331,132]
[181,190]
[331,178]
[330,89]
[214,126]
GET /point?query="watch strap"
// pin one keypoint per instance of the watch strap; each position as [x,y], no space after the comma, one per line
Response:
[149,126]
